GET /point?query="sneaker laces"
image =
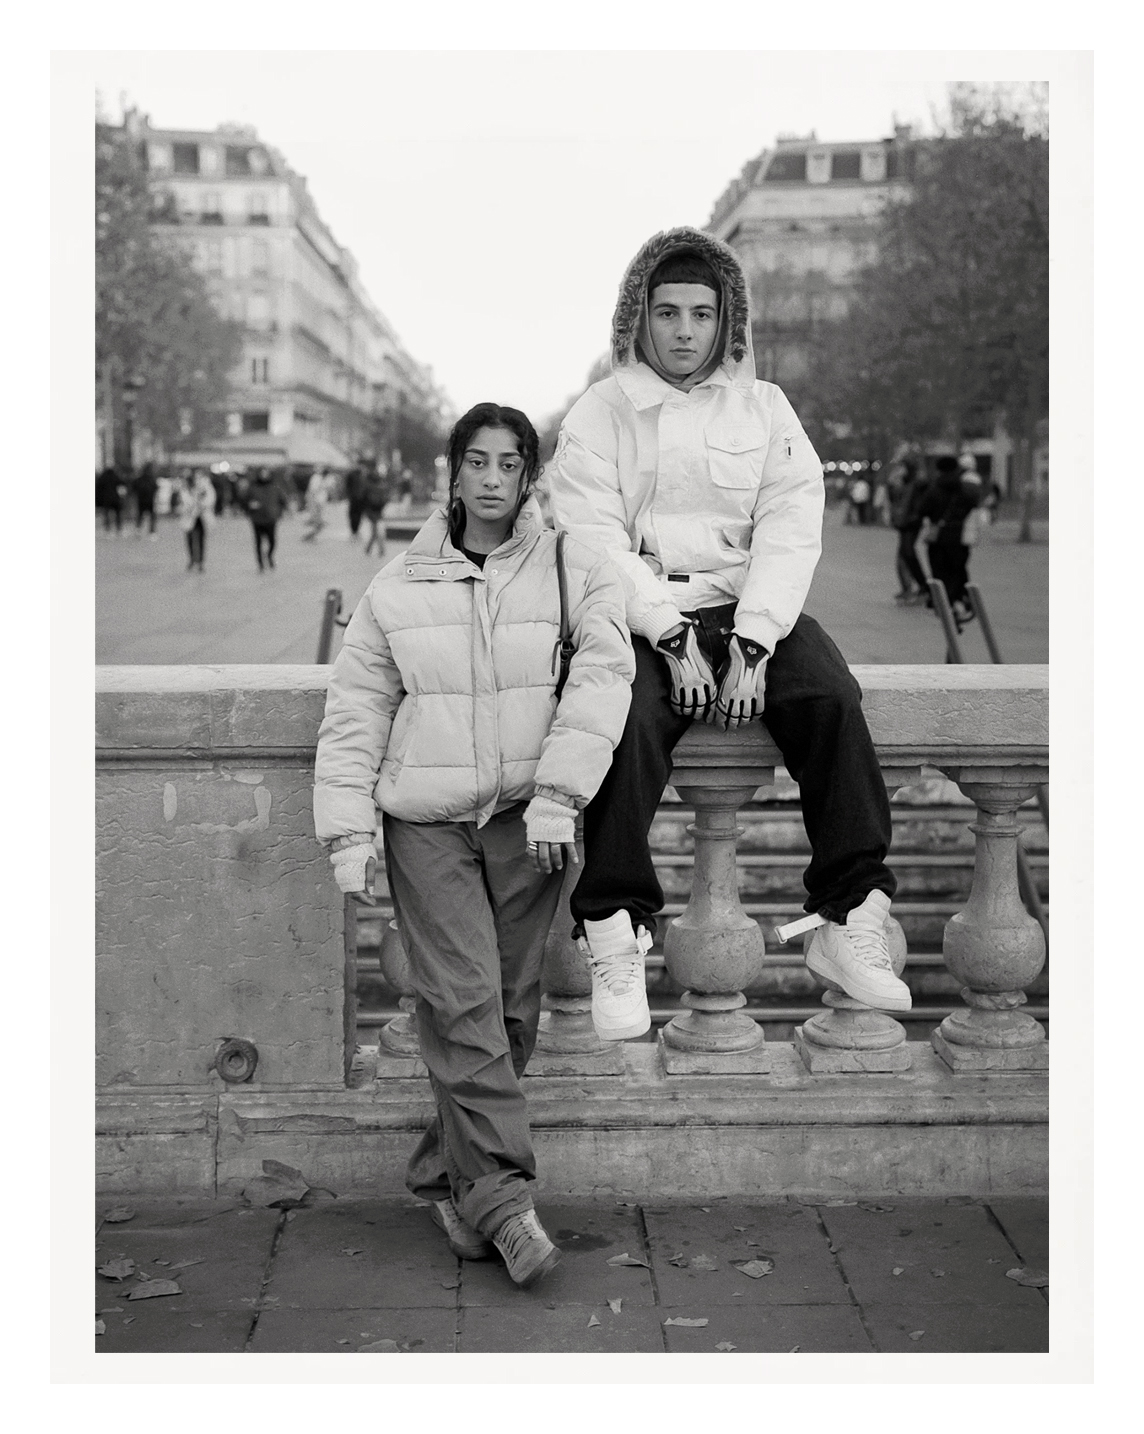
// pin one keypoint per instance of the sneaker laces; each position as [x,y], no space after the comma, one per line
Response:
[869,945]
[514,1234]
[622,970]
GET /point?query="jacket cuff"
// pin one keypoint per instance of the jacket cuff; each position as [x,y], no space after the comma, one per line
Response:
[546,820]
[755,627]
[550,794]
[657,620]
[356,839]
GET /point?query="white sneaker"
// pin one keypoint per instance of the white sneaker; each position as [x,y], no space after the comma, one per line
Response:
[528,1252]
[856,957]
[464,1241]
[615,955]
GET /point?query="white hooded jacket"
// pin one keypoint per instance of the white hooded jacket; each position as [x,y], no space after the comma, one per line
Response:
[702,496]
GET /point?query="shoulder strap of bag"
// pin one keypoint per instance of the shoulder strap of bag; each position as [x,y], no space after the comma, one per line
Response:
[565,647]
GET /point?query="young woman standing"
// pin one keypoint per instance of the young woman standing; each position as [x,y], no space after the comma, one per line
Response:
[446,714]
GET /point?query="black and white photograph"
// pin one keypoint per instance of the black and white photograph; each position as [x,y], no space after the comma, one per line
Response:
[570,574]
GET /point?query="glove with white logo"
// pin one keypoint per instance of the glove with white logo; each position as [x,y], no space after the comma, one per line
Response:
[692,681]
[744,683]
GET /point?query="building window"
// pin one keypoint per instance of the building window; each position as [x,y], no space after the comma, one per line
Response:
[786,166]
[256,212]
[186,158]
[212,256]
[845,164]
[260,370]
[237,159]
[212,207]
[259,257]
[257,421]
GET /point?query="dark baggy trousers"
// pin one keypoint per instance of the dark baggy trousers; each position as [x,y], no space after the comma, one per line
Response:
[197,543]
[909,564]
[949,561]
[813,712]
[474,915]
[265,533]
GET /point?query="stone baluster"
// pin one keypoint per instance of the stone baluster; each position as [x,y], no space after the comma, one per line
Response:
[714,948]
[848,1035]
[397,1037]
[566,1042]
[994,947]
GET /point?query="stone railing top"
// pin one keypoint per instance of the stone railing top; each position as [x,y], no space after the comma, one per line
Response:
[917,714]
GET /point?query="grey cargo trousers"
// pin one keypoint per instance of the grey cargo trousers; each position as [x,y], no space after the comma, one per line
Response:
[474,915]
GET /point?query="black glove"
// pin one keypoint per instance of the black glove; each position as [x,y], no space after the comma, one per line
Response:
[692,681]
[743,683]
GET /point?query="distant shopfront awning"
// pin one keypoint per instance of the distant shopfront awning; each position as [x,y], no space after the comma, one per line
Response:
[265,449]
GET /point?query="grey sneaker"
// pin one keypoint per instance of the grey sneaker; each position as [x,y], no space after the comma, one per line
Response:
[464,1241]
[527,1250]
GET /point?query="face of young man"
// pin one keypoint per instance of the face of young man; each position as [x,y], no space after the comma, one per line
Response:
[683,320]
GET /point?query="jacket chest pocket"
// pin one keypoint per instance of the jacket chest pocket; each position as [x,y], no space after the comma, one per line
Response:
[735,456]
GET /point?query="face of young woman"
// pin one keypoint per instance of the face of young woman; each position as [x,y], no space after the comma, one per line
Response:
[489,482]
[683,319]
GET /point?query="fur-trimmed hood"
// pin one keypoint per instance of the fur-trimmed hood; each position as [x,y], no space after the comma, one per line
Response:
[631,305]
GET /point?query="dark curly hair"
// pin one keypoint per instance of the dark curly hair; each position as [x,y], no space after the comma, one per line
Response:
[489,415]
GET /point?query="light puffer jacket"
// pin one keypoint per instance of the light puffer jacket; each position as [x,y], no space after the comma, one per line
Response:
[441,704]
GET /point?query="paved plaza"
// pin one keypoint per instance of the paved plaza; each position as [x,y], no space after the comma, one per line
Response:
[845,1276]
[150,609]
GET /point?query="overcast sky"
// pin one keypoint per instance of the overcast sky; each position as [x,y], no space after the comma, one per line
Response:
[493,199]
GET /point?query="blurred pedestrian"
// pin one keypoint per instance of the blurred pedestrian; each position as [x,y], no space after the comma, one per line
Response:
[908,493]
[146,486]
[110,491]
[317,496]
[265,504]
[405,493]
[859,495]
[196,514]
[947,504]
[375,495]
[355,481]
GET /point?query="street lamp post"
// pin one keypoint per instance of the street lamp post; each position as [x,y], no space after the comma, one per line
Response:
[130,393]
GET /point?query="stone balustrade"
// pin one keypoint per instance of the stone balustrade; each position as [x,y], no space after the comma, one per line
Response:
[218,921]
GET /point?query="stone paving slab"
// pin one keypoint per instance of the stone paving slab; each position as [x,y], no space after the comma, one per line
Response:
[502,1329]
[156,1327]
[233,1248]
[960,1328]
[786,1233]
[401,1260]
[815,1329]
[947,1254]
[588,1235]
[1026,1226]
[311,1331]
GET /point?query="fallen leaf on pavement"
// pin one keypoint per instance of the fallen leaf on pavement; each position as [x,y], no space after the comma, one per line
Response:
[593,1321]
[756,1269]
[160,1262]
[897,1270]
[100,1327]
[834,1203]
[687,1323]
[725,1345]
[1036,1279]
[341,1341]
[937,1274]
[317,1193]
[704,1262]
[450,1284]
[680,1261]
[117,1269]
[381,1346]
[794,1349]
[186,1264]
[350,1250]
[706,1209]
[614,1306]
[196,1324]
[626,1259]
[875,1209]
[916,1334]
[151,1288]
[119,1214]
[741,1229]
[111,1309]
[128,1319]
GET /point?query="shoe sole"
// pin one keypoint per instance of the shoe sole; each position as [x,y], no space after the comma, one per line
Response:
[546,1266]
[622,1033]
[827,971]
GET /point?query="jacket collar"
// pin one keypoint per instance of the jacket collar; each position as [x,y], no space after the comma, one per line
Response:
[644,388]
[432,553]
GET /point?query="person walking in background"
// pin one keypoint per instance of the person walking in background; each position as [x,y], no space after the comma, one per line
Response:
[110,490]
[355,481]
[146,486]
[908,492]
[447,717]
[375,495]
[859,500]
[265,503]
[948,503]
[317,496]
[196,514]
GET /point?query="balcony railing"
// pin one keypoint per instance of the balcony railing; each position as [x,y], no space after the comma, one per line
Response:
[218,922]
